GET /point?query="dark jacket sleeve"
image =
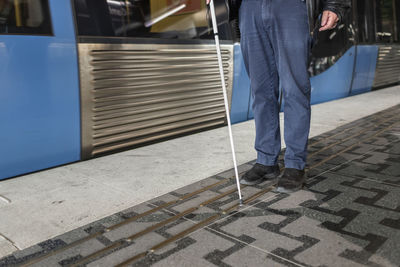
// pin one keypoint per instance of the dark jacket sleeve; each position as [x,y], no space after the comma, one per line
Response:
[338,6]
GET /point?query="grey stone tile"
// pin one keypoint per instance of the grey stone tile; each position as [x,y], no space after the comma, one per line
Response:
[394,149]
[345,221]
[194,249]
[166,198]
[327,251]
[316,151]
[142,244]
[210,209]
[72,254]
[364,148]
[200,197]
[208,248]
[315,172]
[197,186]
[6,247]
[385,138]
[137,226]
[251,257]
[28,251]
[195,201]
[331,158]
[378,172]
[74,235]
[127,252]
[192,202]
[226,186]
[247,193]
[231,173]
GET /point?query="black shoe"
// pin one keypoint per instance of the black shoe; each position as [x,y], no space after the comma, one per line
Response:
[259,173]
[290,181]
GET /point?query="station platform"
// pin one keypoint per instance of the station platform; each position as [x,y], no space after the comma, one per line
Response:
[175,203]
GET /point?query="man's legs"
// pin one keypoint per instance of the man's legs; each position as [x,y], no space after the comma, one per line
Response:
[259,60]
[260,64]
[275,43]
[291,42]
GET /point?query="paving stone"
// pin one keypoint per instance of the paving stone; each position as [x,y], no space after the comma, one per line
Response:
[193,202]
[197,186]
[137,226]
[345,231]
[231,173]
[6,247]
[72,254]
[207,248]
[394,149]
[249,257]
[127,252]
[376,172]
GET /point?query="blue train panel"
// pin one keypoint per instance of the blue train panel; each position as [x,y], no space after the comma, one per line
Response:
[367,57]
[241,88]
[39,94]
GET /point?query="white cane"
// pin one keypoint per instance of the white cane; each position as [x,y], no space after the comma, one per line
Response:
[221,71]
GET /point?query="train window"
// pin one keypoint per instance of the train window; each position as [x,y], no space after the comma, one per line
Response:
[386,24]
[396,14]
[25,17]
[165,19]
[366,21]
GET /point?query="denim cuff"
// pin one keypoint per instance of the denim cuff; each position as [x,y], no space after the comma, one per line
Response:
[266,160]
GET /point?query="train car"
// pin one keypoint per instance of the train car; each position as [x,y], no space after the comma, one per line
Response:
[83,78]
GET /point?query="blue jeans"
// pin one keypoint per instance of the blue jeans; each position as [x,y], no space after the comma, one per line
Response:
[275,43]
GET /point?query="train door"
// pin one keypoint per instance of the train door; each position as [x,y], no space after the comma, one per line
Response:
[366,50]
[387,37]
[39,94]
[148,71]
[386,26]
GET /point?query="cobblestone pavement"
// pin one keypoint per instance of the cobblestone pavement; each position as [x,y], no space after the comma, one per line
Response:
[348,214]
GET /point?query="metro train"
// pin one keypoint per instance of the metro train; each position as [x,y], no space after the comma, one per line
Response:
[84,78]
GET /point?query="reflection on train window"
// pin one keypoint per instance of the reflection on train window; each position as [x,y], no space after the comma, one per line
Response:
[366,21]
[166,19]
[386,24]
[25,17]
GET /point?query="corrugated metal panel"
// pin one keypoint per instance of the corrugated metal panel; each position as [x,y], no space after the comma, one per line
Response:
[388,66]
[134,93]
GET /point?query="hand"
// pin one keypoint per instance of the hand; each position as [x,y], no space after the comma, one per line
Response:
[208,2]
[329,20]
